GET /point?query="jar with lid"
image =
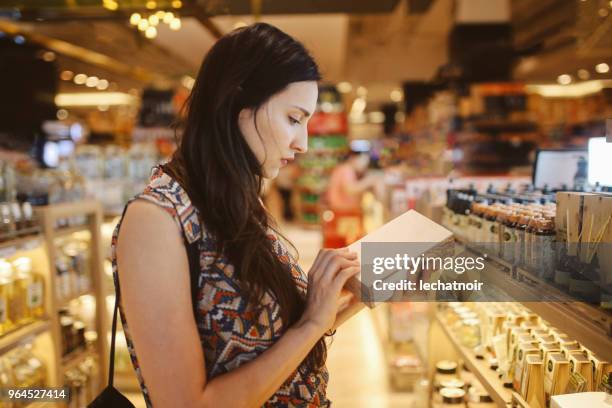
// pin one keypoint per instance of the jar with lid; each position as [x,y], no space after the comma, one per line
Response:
[544,257]
[445,370]
[475,222]
[529,235]
[33,286]
[501,220]
[469,333]
[6,295]
[451,398]
[477,397]
[509,237]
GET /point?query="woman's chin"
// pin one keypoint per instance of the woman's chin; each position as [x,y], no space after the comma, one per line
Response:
[271,172]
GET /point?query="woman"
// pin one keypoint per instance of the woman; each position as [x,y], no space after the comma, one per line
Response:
[258,334]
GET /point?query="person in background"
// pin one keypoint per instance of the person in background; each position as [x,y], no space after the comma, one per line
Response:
[284,184]
[346,186]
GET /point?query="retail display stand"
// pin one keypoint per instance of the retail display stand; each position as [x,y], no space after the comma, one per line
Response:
[91,213]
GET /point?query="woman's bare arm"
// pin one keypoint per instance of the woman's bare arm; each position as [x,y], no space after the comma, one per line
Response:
[156,298]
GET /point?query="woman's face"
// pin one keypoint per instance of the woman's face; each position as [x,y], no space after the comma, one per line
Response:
[281,126]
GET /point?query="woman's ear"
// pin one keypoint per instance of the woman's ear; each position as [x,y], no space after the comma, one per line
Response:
[245,114]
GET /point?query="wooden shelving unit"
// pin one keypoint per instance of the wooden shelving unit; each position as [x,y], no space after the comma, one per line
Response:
[23,334]
[501,396]
[91,212]
[585,323]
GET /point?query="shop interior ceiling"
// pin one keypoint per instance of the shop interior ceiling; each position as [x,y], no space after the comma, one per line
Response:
[375,44]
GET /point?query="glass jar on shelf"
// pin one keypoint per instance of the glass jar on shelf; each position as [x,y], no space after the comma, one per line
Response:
[6,295]
[33,285]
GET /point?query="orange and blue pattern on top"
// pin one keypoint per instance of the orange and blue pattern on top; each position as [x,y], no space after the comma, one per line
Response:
[232,332]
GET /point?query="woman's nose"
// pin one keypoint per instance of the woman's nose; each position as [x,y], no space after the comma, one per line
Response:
[300,144]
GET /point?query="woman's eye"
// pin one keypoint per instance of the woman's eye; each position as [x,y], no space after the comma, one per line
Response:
[293,120]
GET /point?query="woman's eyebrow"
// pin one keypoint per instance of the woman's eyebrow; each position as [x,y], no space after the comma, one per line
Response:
[304,111]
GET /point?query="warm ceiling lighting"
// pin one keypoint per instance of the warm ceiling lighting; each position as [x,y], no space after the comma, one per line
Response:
[576,90]
[396,95]
[151,4]
[362,91]
[62,114]
[102,84]
[160,14]
[376,117]
[153,20]
[358,107]
[177,4]
[344,87]
[92,81]
[175,24]
[94,99]
[66,75]
[135,18]
[602,68]
[80,79]
[143,24]
[583,74]
[151,32]
[564,79]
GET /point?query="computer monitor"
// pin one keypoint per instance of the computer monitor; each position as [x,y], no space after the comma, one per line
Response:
[559,168]
[600,161]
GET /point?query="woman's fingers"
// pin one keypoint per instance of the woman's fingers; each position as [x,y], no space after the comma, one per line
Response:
[343,276]
[344,300]
[334,265]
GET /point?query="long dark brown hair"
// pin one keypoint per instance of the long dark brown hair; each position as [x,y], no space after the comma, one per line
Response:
[221,173]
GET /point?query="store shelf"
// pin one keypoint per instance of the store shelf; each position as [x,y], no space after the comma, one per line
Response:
[489,379]
[9,248]
[13,338]
[64,302]
[587,324]
[65,231]
[75,358]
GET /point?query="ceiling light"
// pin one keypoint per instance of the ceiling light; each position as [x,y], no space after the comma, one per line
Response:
[160,14]
[583,74]
[80,79]
[396,95]
[564,79]
[602,68]
[110,5]
[94,99]
[151,32]
[151,4]
[153,20]
[603,12]
[175,24]
[135,18]
[576,90]
[66,75]
[177,4]
[102,84]
[168,17]
[92,82]
[362,91]
[143,24]
[344,87]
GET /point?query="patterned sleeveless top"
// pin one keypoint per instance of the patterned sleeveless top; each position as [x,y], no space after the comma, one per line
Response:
[230,332]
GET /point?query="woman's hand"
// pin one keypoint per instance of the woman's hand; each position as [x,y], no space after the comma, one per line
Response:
[326,278]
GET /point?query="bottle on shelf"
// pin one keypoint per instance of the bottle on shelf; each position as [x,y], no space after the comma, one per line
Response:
[32,284]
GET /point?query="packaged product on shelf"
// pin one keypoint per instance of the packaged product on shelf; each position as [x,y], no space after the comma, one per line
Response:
[451,398]
[500,348]
[532,385]
[7,225]
[509,237]
[65,277]
[6,294]
[32,284]
[18,293]
[523,350]
[547,348]
[445,370]
[477,397]
[601,368]
[581,373]
[568,347]
[78,255]
[544,253]
[556,377]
